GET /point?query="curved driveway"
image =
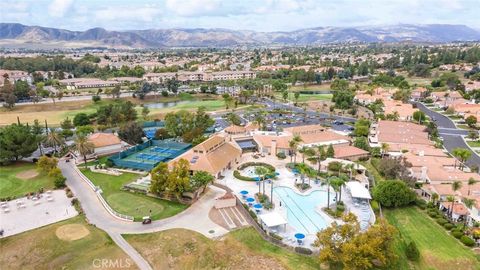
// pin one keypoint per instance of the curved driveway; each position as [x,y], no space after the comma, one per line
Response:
[451,135]
[193,218]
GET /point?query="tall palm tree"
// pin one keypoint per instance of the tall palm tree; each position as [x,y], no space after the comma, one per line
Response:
[54,138]
[293,144]
[455,187]
[304,150]
[328,191]
[351,168]
[470,183]
[84,147]
[261,172]
[337,184]
[469,203]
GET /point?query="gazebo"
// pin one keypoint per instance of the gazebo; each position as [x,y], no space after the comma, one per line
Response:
[272,221]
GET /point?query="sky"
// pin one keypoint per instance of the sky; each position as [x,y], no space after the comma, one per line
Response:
[258,15]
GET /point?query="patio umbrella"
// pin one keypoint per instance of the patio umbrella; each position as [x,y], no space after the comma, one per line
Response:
[244,192]
[250,200]
[299,236]
[257,206]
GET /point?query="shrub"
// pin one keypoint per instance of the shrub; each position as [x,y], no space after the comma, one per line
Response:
[303,250]
[237,175]
[467,241]
[448,226]
[441,221]
[59,182]
[412,252]
[433,214]
[375,206]
[421,204]
[248,164]
[457,234]
[109,163]
[281,155]
[340,207]
[275,236]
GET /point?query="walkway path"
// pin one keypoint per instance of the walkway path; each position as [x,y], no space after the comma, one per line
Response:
[451,135]
[193,218]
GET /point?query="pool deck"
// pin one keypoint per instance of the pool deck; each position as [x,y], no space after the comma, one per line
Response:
[285,179]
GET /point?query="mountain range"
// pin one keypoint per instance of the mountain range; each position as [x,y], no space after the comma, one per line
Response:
[19,35]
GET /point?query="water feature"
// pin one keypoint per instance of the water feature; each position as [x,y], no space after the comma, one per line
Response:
[301,209]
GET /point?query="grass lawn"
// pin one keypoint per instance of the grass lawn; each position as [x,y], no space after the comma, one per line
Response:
[312,87]
[128,203]
[473,143]
[12,183]
[210,105]
[241,249]
[42,249]
[305,97]
[438,249]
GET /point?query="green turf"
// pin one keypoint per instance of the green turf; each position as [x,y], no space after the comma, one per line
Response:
[438,249]
[10,185]
[42,249]
[132,204]
[474,143]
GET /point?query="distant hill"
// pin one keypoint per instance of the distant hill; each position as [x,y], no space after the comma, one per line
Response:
[14,34]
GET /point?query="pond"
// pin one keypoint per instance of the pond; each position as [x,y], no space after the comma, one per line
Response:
[162,105]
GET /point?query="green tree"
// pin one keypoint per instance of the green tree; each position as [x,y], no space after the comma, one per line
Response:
[456,185]
[330,151]
[16,142]
[393,193]
[296,95]
[7,94]
[131,132]
[201,179]
[419,116]
[84,147]
[293,144]
[285,96]
[159,176]
[346,247]
[145,112]
[462,154]
[54,139]
[81,119]
[471,121]
[46,164]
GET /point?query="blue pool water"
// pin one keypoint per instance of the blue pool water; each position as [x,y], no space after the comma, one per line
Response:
[301,212]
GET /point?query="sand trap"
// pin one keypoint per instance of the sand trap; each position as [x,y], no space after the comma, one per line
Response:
[72,232]
[29,174]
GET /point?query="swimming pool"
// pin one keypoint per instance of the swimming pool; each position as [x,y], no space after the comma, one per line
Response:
[301,212]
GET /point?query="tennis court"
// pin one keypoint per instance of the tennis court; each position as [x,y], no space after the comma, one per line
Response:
[147,155]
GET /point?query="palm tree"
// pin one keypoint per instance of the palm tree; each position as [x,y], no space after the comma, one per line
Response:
[337,184]
[469,203]
[385,148]
[293,144]
[54,138]
[452,200]
[328,192]
[304,150]
[470,183]
[462,154]
[261,172]
[435,197]
[351,168]
[455,187]
[303,169]
[84,147]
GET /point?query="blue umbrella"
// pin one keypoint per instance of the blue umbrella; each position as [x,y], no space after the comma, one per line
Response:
[257,206]
[276,173]
[256,178]
[244,192]
[250,200]
[299,236]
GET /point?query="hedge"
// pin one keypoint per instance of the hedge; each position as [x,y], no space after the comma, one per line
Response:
[239,176]
[467,241]
[448,226]
[303,250]
[457,234]
[248,164]
[441,221]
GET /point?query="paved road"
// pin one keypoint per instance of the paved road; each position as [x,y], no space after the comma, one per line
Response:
[98,215]
[451,135]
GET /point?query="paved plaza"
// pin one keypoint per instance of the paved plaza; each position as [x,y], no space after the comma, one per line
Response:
[26,214]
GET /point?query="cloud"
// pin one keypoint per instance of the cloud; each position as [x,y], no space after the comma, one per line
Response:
[58,8]
[194,7]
